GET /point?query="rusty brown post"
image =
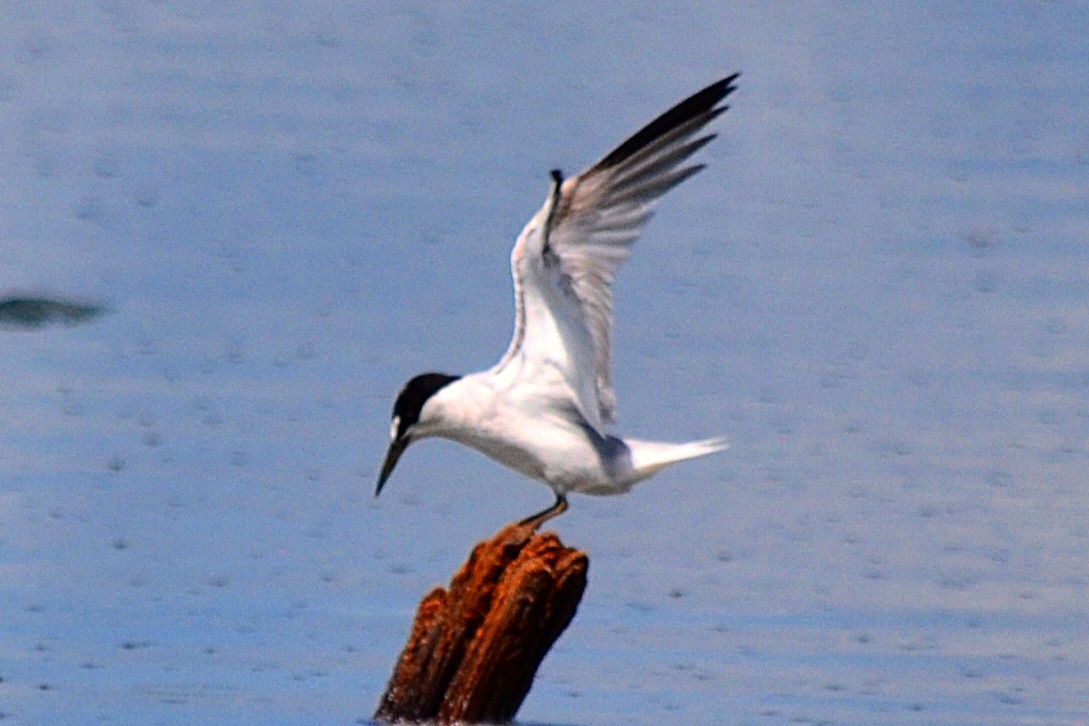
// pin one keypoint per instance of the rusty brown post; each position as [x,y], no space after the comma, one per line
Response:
[475,648]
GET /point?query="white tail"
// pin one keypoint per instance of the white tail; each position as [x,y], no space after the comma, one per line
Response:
[650,457]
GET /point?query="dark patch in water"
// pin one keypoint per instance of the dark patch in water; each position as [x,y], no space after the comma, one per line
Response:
[36,312]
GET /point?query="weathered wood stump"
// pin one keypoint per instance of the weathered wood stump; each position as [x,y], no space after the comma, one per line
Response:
[475,648]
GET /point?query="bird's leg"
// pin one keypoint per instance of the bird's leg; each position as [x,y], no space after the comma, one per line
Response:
[558,507]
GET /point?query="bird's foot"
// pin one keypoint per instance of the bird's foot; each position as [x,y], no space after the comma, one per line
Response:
[535,521]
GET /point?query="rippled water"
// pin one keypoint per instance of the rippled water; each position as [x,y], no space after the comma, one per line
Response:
[878,289]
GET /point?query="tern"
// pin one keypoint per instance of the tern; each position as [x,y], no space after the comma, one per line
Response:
[543,409]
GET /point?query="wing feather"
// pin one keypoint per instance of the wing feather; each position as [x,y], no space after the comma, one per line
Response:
[566,258]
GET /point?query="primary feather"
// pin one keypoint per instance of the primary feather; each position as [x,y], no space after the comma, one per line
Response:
[566,258]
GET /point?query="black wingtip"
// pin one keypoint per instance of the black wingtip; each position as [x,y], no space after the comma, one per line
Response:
[557,184]
[699,103]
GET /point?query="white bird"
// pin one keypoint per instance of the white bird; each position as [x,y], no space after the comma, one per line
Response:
[542,409]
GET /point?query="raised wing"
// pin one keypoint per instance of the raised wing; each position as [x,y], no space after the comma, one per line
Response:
[566,258]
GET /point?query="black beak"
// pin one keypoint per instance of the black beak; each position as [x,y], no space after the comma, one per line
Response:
[396,448]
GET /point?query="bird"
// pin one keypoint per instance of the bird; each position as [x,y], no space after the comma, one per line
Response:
[544,408]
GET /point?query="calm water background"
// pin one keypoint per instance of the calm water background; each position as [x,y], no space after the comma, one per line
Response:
[878,289]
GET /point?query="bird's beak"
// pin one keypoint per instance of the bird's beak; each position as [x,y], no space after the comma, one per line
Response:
[396,448]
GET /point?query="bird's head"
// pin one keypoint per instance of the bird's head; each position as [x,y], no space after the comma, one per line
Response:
[410,418]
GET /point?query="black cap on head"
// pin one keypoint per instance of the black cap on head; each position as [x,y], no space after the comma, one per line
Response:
[410,401]
[406,412]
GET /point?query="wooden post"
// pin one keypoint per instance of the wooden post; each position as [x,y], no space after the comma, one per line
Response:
[475,648]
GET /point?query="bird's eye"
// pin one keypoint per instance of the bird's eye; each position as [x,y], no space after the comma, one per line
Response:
[393,426]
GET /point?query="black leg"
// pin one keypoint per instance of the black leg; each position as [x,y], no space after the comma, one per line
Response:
[558,507]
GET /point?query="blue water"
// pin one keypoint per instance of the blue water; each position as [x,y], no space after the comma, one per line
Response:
[878,289]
